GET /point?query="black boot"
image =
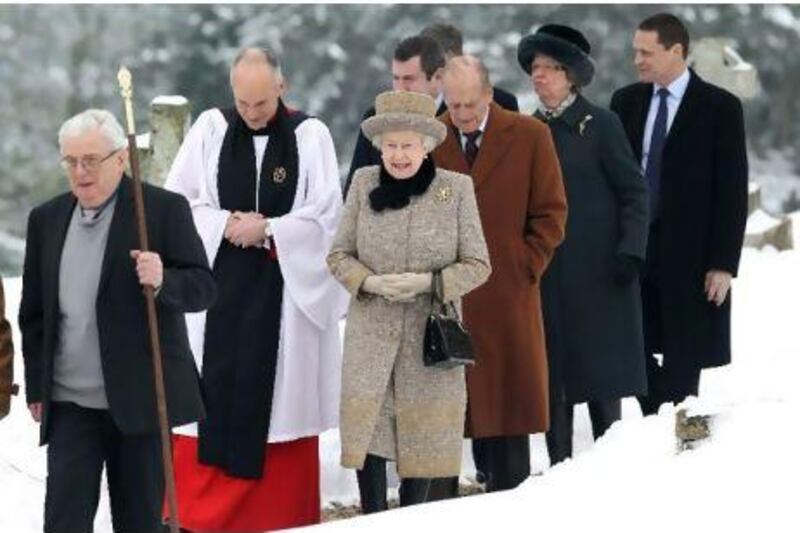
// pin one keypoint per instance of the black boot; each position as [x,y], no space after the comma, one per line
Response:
[559,436]
[372,484]
[507,460]
[443,488]
[414,490]
[603,413]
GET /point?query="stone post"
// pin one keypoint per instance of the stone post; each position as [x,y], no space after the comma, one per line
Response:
[715,60]
[170,118]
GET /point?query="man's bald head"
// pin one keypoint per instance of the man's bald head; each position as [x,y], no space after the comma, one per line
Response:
[255,58]
[467,91]
[469,68]
[257,84]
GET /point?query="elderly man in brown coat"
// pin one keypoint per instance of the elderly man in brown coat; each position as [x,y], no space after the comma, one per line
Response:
[6,358]
[520,193]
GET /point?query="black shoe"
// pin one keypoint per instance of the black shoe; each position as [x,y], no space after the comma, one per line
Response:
[414,491]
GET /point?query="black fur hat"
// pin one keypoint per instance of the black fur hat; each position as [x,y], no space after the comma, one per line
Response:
[566,45]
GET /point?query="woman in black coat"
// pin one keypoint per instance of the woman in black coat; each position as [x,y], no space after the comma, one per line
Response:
[590,292]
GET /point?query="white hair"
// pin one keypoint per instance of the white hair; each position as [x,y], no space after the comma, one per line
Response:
[428,142]
[89,120]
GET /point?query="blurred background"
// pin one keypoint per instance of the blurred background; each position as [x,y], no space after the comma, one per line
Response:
[58,60]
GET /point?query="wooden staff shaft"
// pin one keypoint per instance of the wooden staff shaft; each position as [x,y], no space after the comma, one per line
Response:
[152,322]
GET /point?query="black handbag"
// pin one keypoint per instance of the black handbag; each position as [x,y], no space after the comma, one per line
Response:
[447,342]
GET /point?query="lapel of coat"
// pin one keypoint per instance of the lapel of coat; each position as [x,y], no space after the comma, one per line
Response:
[121,222]
[576,113]
[687,108]
[449,155]
[55,246]
[641,108]
[496,142]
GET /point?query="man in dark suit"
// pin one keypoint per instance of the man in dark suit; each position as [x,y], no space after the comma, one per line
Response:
[689,137]
[416,67]
[451,39]
[88,370]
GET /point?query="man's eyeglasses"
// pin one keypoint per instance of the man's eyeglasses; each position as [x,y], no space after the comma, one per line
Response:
[90,163]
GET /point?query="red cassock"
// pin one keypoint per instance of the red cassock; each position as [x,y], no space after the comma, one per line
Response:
[288,495]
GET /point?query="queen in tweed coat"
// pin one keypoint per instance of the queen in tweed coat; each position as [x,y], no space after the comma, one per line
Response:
[392,405]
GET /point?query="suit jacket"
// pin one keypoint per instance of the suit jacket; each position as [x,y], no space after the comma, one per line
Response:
[523,210]
[703,213]
[366,155]
[121,314]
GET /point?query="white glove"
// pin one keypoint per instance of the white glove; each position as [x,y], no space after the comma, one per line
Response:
[411,284]
[398,287]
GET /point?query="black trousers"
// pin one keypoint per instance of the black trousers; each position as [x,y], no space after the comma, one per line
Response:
[670,382]
[372,487]
[602,413]
[82,441]
[675,378]
[503,462]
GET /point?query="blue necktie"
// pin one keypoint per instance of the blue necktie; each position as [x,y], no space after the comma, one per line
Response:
[652,172]
[471,146]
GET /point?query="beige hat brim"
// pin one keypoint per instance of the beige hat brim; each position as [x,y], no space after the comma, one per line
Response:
[380,124]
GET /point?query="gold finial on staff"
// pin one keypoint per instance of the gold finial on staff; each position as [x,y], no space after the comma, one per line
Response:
[126,89]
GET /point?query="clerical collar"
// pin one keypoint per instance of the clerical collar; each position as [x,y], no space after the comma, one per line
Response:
[270,126]
[551,113]
[94,213]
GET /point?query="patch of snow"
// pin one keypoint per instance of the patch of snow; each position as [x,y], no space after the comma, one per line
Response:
[143,141]
[745,477]
[760,221]
[11,243]
[782,15]
[777,175]
[795,228]
[174,100]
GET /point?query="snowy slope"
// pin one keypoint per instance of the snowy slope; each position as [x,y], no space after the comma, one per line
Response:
[744,478]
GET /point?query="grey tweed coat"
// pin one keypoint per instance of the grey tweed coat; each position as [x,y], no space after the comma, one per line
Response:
[392,405]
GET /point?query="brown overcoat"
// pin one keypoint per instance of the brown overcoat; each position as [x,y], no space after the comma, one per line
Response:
[6,358]
[523,211]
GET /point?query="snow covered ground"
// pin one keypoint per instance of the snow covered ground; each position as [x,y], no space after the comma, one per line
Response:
[747,477]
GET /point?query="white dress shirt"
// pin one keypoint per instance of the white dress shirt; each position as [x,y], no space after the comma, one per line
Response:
[676,91]
[479,140]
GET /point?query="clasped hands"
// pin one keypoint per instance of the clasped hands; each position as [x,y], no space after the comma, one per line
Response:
[246,229]
[398,287]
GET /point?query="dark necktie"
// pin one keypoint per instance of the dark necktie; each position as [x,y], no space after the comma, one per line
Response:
[652,172]
[471,146]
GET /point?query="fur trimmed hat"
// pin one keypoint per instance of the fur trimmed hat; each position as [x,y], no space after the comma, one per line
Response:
[566,45]
[404,110]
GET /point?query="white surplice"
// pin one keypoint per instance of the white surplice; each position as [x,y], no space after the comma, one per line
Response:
[307,380]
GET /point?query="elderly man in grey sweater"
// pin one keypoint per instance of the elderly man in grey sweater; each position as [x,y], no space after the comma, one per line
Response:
[88,370]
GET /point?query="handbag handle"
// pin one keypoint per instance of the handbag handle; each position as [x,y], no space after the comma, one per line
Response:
[437,291]
[437,295]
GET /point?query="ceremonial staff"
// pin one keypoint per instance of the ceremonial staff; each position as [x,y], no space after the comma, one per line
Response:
[126,88]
